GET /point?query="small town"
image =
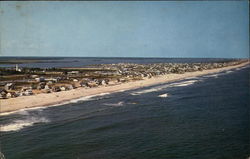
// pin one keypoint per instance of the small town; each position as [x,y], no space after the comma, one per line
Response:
[17,81]
[124,79]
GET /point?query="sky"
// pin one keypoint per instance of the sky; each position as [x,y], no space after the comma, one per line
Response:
[212,29]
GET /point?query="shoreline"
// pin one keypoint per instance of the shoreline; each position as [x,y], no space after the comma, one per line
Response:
[57,98]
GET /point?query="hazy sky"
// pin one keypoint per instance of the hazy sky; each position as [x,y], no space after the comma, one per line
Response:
[121,29]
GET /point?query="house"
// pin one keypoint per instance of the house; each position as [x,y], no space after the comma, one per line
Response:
[41,85]
[46,87]
[40,79]
[62,88]
[26,91]
[103,82]
[53,80]
[34,76]
[18,69]
[8,95]
[3,93]
[9,86]
[56,89]
[70,87]
[73,72]
[91,84]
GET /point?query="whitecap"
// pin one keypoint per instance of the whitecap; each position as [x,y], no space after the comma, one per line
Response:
[158,88]
[163,95]
[146,91]
[86,98]
[229,71]
[122,90]
[185,83]
[20,124]
[213,75]
[21,111]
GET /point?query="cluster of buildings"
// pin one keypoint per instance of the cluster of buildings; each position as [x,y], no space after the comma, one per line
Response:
[47,81]
[149,70]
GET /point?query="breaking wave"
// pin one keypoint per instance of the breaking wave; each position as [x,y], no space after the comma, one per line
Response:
[21,111]
[146,91]
[30,120]
[177,84]
[213,75]
[20,124]
[181,84]
[163,95]
[229,71]
[86,98]
[121,103]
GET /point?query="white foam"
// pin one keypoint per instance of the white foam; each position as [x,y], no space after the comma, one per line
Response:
[146,91]
[189,78]
[177,84]
[163,95]
[121,103]
[244,67]
[214,75]
[229,71]
[21,111]
[123,90]
[181,84]
[20,124]
[86,98]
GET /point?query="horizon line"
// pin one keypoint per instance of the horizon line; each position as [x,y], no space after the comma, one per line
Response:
[126,57]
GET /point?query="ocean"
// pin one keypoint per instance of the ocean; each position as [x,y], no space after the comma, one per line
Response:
[205,117]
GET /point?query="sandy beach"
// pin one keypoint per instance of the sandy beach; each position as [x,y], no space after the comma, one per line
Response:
[40,100]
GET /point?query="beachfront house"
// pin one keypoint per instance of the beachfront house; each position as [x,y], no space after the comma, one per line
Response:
[40,79]
[73,72]
[3,93]
[9,86]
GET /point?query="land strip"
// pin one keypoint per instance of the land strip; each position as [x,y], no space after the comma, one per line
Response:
[43,99]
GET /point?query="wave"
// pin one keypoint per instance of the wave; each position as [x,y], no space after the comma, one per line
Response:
[228,71]
[86,98]
[163,95]
[20,124]
[221,73]
[177,84]
[241,68]
[146,91]
[20,111]
[121,103]
[186,83]
[122,90]
[213,75]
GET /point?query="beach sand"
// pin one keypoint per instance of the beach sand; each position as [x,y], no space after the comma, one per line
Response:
[43,100]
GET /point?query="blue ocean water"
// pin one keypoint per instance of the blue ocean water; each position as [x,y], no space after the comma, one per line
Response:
[205,117]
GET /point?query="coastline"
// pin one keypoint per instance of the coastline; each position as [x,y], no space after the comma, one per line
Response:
[46,100]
